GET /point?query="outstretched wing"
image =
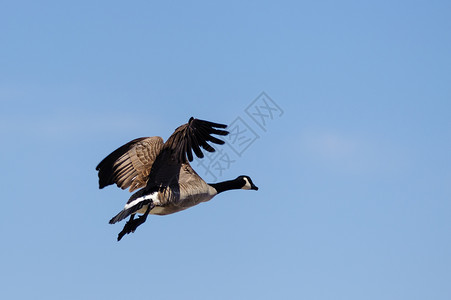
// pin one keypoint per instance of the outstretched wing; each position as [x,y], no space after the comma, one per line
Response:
[129,165]
[191,137]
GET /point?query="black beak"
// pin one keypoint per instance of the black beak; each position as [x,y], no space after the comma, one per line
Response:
[254,187]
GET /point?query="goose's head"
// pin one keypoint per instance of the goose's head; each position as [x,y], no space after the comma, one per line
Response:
[247,183]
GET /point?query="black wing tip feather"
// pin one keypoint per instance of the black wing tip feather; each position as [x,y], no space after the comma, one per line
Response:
[207,123]
[202,134]
[193,136]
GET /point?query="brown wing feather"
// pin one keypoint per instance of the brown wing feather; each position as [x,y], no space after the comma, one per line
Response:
[129,165]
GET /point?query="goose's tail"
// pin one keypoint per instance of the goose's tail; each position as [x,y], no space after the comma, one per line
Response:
[136,202]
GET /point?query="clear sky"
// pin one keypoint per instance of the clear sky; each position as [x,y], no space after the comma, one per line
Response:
[354,167]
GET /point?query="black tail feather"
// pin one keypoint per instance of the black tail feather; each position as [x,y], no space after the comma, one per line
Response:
[126,212]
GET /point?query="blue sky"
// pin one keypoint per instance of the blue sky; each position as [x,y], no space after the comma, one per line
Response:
[354,176]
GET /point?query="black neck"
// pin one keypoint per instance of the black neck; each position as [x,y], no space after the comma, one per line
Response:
[227,185]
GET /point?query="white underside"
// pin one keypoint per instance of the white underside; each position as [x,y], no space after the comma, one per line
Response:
[154,197]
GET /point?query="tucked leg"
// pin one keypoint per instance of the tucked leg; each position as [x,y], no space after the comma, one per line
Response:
[133,223]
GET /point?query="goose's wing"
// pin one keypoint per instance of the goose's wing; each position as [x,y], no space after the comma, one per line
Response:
[129,165]
[191,137]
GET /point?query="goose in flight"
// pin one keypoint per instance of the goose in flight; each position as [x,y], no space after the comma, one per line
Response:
[161,171]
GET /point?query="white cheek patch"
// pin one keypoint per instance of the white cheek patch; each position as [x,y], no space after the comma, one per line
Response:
[153,197]
[247,186]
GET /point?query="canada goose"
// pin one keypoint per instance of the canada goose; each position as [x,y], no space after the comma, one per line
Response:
[169,183]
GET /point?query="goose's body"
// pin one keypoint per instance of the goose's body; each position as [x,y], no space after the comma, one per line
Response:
[189,191]
[168,182]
